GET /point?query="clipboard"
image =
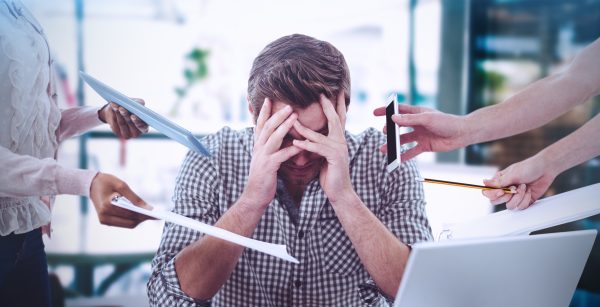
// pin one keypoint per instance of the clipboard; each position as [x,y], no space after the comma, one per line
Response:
[153,119]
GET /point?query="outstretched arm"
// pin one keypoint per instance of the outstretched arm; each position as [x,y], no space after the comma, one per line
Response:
[541,101]
[537,104]
[78,120]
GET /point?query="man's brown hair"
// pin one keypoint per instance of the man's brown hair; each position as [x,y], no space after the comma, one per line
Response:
[296,69]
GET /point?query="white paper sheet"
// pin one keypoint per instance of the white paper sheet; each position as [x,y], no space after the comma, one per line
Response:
[276,250]
[551,211]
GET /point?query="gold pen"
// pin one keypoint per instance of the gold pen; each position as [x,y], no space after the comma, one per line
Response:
[509,190]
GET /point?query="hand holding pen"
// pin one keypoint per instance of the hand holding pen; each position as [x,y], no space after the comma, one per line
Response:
[532,178]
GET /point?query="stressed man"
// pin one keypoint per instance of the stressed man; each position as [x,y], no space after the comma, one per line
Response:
[296,178]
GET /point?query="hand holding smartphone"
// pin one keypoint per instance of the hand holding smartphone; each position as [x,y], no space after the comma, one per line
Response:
[393,133]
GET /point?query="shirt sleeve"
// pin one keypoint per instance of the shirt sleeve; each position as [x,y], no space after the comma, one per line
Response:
[195,197]
[404,213]
[24,176]
[76,121]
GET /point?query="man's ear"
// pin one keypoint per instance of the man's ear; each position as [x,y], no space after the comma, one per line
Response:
[251,110]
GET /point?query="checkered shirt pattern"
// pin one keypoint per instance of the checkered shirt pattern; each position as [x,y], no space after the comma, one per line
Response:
[330,272]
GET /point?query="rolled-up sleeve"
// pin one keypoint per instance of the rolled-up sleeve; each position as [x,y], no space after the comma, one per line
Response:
[195,197]
[404,213]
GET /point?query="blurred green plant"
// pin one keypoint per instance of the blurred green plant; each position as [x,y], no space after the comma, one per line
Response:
[196,71]
[492,83]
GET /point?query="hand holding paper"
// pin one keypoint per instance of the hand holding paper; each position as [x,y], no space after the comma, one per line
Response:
[155,120]
[276,250]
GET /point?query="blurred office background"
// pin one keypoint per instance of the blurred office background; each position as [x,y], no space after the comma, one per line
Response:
[189,60]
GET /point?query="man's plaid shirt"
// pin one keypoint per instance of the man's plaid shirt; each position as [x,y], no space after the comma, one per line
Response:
[330,272]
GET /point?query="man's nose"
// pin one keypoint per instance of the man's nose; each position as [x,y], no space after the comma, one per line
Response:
[301,159]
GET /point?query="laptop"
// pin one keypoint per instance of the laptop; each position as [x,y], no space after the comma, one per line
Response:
[529,271]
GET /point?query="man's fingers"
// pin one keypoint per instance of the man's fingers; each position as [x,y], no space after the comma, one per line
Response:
[272,123]
[313,136]
[312,147]
[286,153]
[274,141]
[341,107]
[263,115]
[333,121]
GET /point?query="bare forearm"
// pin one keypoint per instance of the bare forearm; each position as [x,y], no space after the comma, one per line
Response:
[576,148]
[533,107]
[541,101]
[204,266]
[382,254]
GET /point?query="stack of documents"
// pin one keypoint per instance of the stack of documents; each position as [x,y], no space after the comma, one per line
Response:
[548,212]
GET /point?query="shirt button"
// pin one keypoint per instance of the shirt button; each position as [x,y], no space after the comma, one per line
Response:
[300,234]
[298,284]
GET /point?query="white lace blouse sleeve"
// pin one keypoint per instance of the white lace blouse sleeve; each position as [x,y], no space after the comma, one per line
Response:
[24,176]
[76,121]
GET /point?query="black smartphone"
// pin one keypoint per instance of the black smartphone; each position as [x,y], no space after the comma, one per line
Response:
[393,133]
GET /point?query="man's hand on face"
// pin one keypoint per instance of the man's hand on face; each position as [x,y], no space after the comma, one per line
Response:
[335,174]
[267,155]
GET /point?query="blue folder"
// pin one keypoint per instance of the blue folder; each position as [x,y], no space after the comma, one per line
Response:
[153,119]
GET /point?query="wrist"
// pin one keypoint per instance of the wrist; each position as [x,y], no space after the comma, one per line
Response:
[342,198]
[550,162]
[248,200]
[101,114]
[466,134]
